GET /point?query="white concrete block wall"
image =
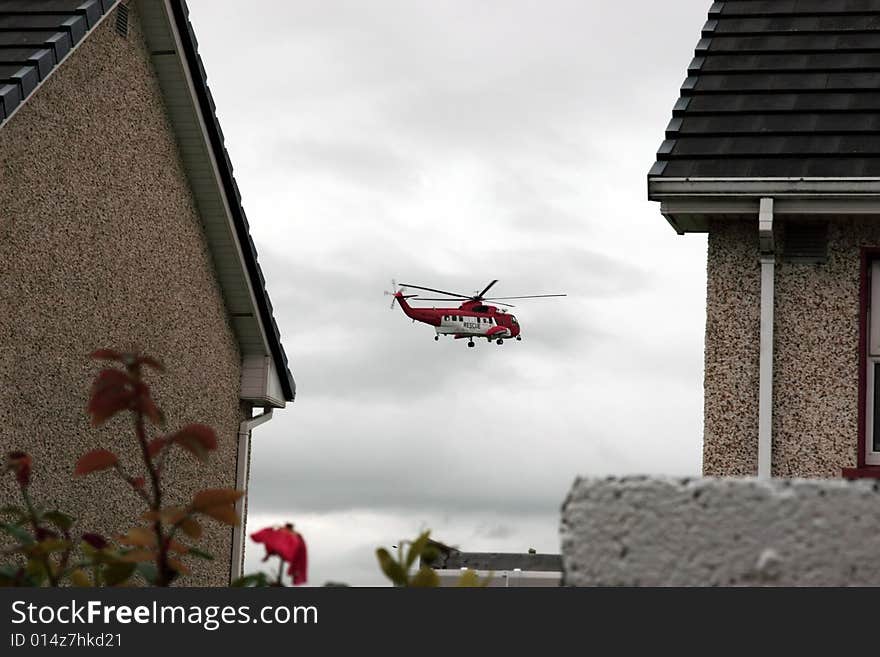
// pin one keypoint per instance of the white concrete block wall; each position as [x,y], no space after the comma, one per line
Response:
[639,531]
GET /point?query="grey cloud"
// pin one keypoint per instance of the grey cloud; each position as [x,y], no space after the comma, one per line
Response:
[447,144]
[346,163]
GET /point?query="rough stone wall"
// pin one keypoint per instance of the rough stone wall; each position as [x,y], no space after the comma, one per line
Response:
[815,387]
[721,532]
[101,246]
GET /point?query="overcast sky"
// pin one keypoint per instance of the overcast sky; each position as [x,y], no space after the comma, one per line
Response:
[447,143]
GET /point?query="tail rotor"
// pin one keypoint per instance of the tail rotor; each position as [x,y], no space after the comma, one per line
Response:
[395,291]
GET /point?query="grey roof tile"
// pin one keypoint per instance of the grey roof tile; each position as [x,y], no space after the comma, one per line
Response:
[780,88]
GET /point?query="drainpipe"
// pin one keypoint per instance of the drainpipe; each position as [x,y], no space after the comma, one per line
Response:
[765,384]
[241,477]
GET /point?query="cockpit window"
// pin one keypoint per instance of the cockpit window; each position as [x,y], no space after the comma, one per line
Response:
[513,319]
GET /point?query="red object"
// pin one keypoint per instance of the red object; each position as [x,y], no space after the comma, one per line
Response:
[505,325]
[20,464]
[862,469]
[474,318]
[289,546]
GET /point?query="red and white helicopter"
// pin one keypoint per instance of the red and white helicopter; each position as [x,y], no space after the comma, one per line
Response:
[472,319]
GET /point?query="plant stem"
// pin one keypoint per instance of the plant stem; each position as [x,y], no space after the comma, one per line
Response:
[280,571]
[164,572]
[32,516]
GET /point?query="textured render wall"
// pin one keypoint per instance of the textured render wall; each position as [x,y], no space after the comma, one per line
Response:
[101,245]
[815,424]
[721,532]
[816,383]
[730,441]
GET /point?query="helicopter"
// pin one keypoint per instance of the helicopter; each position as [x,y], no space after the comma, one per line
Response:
[472,319]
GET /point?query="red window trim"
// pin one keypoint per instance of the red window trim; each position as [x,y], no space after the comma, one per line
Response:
[863,470]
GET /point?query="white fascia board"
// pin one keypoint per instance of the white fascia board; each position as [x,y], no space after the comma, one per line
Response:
[691,214]
[503,578]
[259,382]
[219,251]
[689,203]
[660,189]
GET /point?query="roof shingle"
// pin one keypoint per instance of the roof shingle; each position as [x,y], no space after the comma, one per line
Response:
[780,88]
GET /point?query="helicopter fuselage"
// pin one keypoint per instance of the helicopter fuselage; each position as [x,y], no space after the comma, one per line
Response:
[472,319]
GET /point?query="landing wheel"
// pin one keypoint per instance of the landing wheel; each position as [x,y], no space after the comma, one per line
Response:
[471,343]
[499,341]
[436,337]
[518,338]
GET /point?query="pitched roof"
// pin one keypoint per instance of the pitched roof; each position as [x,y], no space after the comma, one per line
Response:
[450,558]
[780,89]
[36,36]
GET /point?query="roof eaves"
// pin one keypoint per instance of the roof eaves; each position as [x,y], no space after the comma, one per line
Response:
[190,56]
[660,188]
[689,205]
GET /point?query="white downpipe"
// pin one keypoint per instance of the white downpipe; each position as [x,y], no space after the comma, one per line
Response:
[765,384]
[241,478]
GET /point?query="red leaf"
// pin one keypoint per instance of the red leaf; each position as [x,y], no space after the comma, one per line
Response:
[138,482]
[144,403]
[97,459]
[152,362]
[196,438]
[95,540]
[20,464]
[106,354]
[211,497]
[155,446]
[112,391]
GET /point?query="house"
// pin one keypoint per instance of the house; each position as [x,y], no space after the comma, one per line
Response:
[501,569]
[774,151]
[121,225]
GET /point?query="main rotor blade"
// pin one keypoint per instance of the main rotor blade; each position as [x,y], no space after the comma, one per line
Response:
[444,299]
[431,289]
[509,305]
[486,289]
[532,296]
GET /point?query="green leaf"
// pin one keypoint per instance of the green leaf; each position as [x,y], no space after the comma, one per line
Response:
[425,578]
[393,570]
[37,570]
[17,532]
[470,579]
[256,579]
[195,552]
[48,546]
[118,572]
[418,546]
[60,520]
[78,577]
[8,570]
[147,571]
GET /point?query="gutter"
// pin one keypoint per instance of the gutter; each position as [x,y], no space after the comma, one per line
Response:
[765,385]
[661,188]
[241,478]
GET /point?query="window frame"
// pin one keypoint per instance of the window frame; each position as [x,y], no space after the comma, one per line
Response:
[867,465]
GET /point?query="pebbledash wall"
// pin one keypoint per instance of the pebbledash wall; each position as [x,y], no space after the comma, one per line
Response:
[101,246]
[816,352]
